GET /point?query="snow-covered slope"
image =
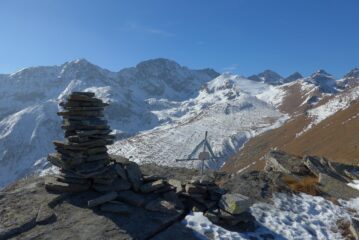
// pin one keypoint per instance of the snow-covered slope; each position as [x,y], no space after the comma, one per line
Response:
[226,107]
[337,103]
[288,217]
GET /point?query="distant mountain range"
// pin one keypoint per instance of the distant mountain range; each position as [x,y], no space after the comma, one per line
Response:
[324,117]
[159,110]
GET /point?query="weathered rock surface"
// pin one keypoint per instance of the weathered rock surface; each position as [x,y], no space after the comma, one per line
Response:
[336,188]
[23,215]
[102,199]
[282,162]
[52,184]
[320,165]
[134,175]
[152,186]
[259,186]
[234,203]
[311,174]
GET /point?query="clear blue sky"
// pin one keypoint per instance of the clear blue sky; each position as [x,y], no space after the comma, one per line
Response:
[243,36]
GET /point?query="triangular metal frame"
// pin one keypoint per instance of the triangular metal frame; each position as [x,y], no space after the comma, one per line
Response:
[205,144]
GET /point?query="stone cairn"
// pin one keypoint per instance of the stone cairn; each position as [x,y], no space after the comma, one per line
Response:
[82,157]
[86,166]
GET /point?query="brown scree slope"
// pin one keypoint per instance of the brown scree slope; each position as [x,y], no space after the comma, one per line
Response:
[336,138]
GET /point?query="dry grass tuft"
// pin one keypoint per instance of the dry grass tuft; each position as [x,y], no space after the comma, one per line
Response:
[306,185]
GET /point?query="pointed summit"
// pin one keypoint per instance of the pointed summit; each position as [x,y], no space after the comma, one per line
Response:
[255,78]
[82,69]
[353,74]
[293,77]
[156,76]
[267,76]
[271,77]
[351,79]
[79,63]
[325,81]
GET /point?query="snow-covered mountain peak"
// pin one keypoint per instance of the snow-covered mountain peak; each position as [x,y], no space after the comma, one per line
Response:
[325,81]
[223,81]
[83,69]
[350,80]
[163,78]
[321,73]
[158,64]
[353,74]
[268,76]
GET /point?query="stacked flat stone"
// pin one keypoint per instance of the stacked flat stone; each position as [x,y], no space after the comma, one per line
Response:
[82,157]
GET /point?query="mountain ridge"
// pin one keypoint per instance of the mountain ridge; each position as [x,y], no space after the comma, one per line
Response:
[157,104]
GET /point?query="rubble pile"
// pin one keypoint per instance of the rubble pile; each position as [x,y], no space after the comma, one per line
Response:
[85,166]
[230,210]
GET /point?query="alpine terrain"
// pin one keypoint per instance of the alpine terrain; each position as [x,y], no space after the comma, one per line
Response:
[159,111]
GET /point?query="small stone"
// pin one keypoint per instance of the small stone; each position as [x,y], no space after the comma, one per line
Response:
[51,184]
[177,184]
[134,175]
[212,217]
[151,178]
[152,186]
[205,180]
[120,159]
[172,197]
[120,171]
[234,203]
[102,199]
[71,180]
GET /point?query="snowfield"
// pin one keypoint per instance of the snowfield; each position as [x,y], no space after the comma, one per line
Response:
[226,108]
[288,217]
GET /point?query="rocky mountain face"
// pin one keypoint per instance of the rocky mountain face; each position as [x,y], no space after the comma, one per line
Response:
[268,76]
[325,81]
[350,80]
[293,77]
